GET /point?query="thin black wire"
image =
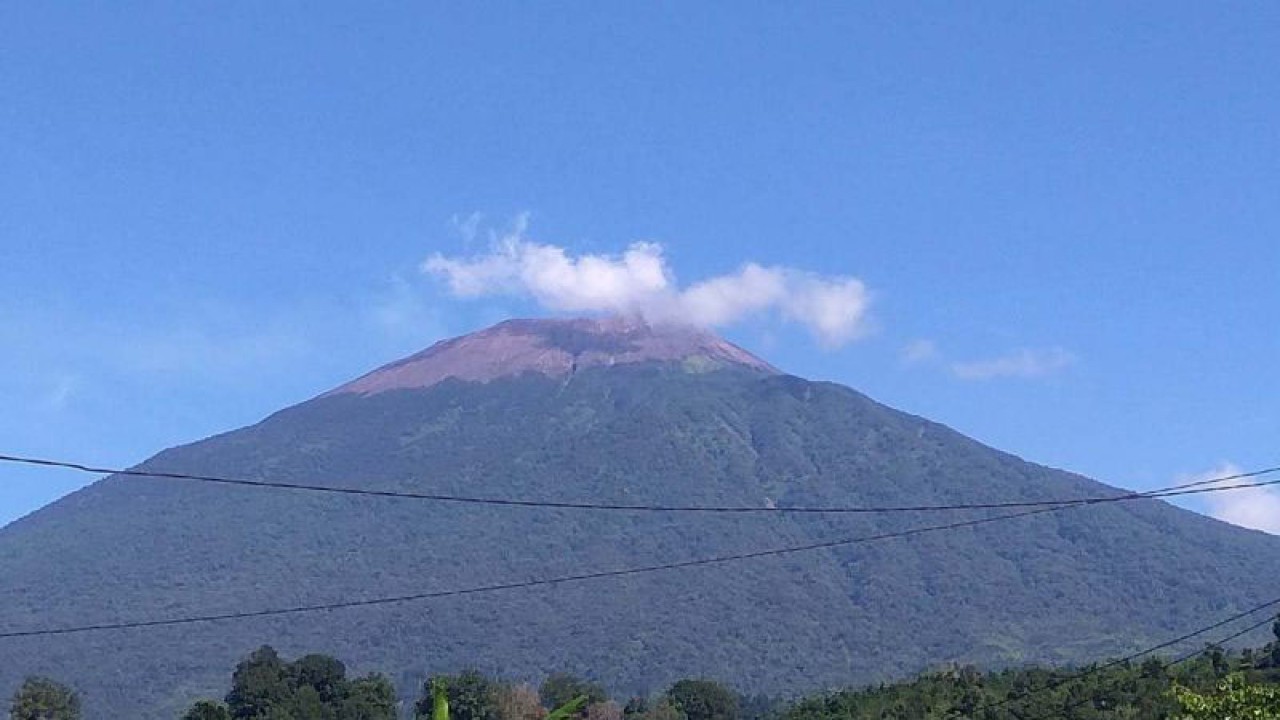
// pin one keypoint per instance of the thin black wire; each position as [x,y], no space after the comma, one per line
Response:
[519,585]
[325,607]
[1093,670]
[1178,661]
[1191,488]
[1223,641]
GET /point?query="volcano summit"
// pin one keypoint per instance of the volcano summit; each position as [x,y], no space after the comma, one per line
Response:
[598,411]
[555,348]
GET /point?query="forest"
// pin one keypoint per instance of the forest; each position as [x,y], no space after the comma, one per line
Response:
[1216,684]
[835,601]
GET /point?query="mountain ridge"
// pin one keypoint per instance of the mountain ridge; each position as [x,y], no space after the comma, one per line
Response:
[1067,586]
[556,348]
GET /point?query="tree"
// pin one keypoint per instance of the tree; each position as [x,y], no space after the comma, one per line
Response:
[662,710]
[1275,647]
[369,698]
[636,706]
[303,702]
[471,697]
[704,700]
[259,683]
[561,688]
[760,706]
[44,699]
[327,675]
[519,702]
[1153,668]
[1233,700]
[572,709]
[439,700]
[207,710]
[603,711]
[1218,661]
[314,687]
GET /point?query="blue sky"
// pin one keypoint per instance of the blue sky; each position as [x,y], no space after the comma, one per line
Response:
[1065,219]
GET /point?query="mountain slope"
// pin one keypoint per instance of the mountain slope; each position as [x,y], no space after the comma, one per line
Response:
[692,423]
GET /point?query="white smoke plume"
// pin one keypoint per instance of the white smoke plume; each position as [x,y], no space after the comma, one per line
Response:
[641,281]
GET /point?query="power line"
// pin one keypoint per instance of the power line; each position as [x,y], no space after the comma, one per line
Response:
[1041,507]
[1178,661]
[1093,670]
[1223,641]
[299,609]
[399,599]
[1191,488]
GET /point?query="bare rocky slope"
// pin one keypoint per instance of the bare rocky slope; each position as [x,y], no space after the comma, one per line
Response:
[603,411]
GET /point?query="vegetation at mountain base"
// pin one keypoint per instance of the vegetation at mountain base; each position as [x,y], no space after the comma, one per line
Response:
[1217,684]
[469,696]
[703,700]
[40,698]
[1233,699]
[560,688]
[315,687]
[1151,690]
[1057,588]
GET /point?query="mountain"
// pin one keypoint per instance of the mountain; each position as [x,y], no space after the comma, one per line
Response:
[555,349]
[598,411]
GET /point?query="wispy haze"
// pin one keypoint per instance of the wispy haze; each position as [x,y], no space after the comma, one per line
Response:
[1021,363]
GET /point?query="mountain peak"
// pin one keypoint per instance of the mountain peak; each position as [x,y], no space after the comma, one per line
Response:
[553,347]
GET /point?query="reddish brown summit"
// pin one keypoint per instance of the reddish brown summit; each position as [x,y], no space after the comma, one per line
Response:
[556,348]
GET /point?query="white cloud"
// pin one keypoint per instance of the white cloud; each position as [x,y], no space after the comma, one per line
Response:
[726,299]
[919,351]
[467,227]
[834,309]
[1256,508]
[58,396]
[1023,363]
[640,280]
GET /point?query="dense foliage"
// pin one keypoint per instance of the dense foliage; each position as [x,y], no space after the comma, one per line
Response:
[703,700]
[1232,699]
[1054,588]
[314,687]
[471,696]
[1216,685]
[44,699]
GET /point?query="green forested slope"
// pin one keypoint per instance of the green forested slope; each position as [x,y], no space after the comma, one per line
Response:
[1067,586]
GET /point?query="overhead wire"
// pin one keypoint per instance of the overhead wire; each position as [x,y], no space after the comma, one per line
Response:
[398,599]
[1177,661]
[1223,641]
[1095,669]
[1041,507]
[1190,488]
